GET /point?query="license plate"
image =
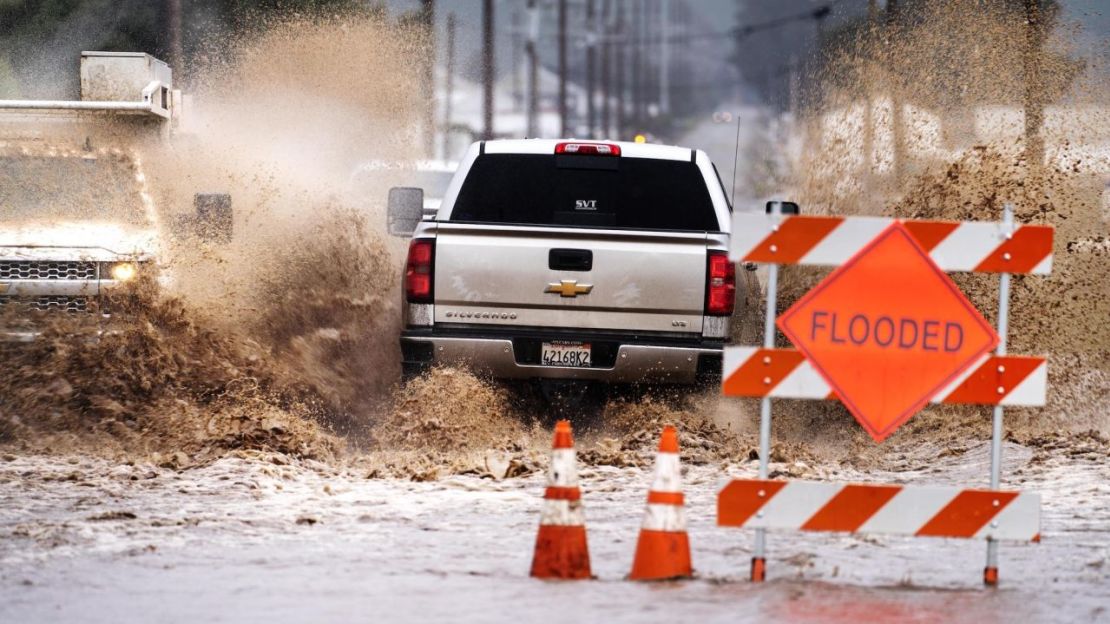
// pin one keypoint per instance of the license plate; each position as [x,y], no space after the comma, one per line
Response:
[573,354]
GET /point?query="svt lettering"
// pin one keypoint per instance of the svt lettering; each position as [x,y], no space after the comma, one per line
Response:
[886,332]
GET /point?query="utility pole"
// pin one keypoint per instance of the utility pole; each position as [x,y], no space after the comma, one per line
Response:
[563,68]
[794,86]
[428,19]
[176,48]
[896,130]
[868,106]
[487,69]
[637,64]
[449,87]
[533,68]
[606,61]
[682,58]
[1034,101]
[650,80]
[591,40]
[514,59]
[665,57]
[622,42]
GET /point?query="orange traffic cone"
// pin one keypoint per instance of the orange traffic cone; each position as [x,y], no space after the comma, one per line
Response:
[663,550]
[561,550]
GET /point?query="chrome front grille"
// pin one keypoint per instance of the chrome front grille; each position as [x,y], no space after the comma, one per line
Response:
[52,303]
[46,270]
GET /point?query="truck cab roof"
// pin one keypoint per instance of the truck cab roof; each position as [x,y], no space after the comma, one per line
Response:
[627,149]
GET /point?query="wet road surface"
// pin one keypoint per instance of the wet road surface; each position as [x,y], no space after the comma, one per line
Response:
[251,540]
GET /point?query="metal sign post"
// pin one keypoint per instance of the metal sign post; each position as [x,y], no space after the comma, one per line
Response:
[990,572]
[759,556]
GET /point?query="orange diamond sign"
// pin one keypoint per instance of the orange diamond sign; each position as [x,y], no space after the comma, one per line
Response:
[888,330]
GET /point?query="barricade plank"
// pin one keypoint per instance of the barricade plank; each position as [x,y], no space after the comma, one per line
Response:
[984,247]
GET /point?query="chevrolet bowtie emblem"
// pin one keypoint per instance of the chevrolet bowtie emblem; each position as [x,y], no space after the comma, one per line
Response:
[4,286]
[569,288]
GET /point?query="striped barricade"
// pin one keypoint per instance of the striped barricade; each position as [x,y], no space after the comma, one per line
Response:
[885,333]
[1010,380]
[876,508]
[982,247]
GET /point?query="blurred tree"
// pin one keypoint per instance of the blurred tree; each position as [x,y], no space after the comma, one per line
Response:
[133,23]
[949,58]
[958,52]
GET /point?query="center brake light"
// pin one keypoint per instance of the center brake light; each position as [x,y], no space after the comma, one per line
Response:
[420,270]
[592,149]
[720,284]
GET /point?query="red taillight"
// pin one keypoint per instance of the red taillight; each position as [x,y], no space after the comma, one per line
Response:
[419,271]
[592,149]
[720,284]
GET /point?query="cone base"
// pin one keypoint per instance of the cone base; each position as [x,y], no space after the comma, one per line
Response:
[661,555]
[990,576]
[561,552]
[759,569]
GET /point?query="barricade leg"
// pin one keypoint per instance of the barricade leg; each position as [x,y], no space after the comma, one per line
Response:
[990,572]
[759,550]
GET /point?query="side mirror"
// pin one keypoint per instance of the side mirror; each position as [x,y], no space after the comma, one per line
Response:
[214,221]
[405,210]
[788,207]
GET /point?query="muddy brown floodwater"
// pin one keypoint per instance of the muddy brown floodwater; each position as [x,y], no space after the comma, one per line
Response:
[237,446]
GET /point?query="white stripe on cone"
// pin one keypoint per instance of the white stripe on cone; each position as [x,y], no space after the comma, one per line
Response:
[667,480]
[562,513]
[668,474]
[664,518]
[563,473]
[564,468]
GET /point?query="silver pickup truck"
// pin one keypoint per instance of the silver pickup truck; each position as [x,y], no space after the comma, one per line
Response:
[570,260]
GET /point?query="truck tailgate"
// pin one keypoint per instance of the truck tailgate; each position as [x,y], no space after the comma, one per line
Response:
[570,278]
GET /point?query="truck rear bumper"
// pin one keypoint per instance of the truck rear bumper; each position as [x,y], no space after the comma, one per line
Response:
[628,360]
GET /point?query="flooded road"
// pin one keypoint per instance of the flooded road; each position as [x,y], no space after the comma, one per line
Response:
[368,501]
[262,538]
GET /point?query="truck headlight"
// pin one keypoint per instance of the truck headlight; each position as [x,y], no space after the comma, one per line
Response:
[123,271]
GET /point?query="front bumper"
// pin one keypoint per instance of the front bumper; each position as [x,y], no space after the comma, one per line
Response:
[617,358]
[32,298]
[19,335]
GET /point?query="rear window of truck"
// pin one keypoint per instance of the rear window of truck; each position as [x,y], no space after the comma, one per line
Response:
[586,191]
